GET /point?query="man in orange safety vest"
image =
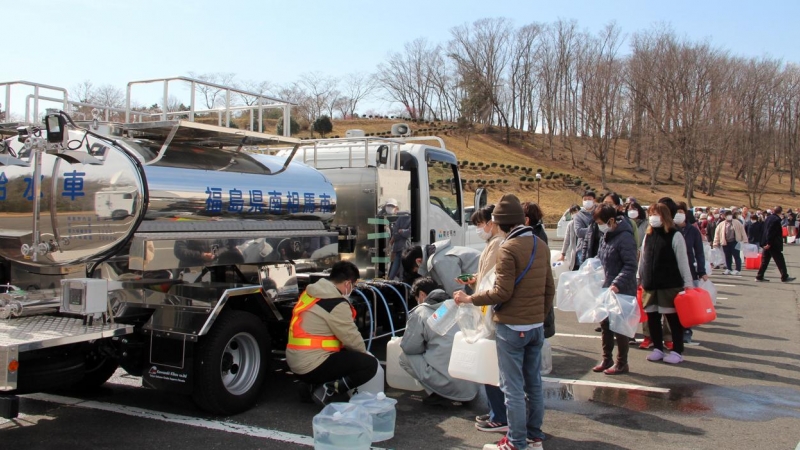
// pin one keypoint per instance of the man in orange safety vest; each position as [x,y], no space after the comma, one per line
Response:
[325,349]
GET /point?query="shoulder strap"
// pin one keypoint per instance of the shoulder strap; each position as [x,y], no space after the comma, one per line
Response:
[530,261]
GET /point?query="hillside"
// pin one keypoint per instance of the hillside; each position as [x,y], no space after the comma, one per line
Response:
[490,159]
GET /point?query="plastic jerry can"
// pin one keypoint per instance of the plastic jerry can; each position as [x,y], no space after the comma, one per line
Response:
[374,385]
[383,413]
[753,263]
[342,426]
[396,376]
[444,317]
[474,362]
[694,307]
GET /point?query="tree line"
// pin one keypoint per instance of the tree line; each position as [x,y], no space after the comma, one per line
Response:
[687,108]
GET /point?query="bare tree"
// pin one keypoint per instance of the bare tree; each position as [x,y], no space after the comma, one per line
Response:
[213,97]
[406,77]
[356,87]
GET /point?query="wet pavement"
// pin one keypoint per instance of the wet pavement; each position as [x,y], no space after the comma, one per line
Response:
[739,387]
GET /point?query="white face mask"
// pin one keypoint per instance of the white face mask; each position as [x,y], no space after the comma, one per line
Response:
[350,292]
[680,218]
[655,221]
[603,227]
[588,204]
[391,210]
[633,214]
[728,218]
[483,234]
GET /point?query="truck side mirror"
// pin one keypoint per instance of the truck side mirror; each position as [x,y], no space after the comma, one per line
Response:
[481,198]
[383,155]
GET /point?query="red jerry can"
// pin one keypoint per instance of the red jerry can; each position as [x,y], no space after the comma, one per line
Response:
[694,307]
[785,231]
[642,314]
[753,263]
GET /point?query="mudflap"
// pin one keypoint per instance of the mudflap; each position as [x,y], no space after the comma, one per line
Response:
[9,406]
[170,364]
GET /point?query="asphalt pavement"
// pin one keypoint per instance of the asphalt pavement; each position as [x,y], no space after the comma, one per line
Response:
[739,387]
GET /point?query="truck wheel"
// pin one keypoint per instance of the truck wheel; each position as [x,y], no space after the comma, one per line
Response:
[231,362]
[98,370]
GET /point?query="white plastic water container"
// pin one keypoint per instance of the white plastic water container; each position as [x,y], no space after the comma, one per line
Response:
[396,376]
[383,413]
[547,358]
[444,317]
[561,228]
[565,291]
[559,267]
[342,426]
[374,385]
[474,362]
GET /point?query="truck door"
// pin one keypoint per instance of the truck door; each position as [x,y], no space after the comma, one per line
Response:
[445,206]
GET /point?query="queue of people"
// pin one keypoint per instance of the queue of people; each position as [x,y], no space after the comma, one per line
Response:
[659,251]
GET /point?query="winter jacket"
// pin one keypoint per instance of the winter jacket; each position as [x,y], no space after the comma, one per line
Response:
[582,221]
[591,242]
[401,232]
[570,246]
[773,233]
[529,301]
[618,255]
[331,316]
[426,354]
[738,232]
[755,233]
[448,262]
[694,251]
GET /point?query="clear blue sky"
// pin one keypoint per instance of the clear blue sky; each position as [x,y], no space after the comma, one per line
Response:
[113,42]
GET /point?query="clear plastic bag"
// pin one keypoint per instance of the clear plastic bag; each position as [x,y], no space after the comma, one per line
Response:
[547,358]
[749,250]
[623,313]
[590,306]
[565,292]
[709,287]
[717,257]
[469,322]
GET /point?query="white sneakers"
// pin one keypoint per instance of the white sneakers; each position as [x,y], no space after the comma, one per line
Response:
[734,272]
[727,272]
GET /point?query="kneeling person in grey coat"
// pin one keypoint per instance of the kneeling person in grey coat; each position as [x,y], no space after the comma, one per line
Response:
[426,354]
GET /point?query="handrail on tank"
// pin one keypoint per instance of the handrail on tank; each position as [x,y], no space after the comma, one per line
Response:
[194,82]
[36,87]
[107,109]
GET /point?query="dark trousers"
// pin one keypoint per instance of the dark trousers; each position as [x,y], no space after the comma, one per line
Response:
[656,334]
[497,403]
[607,336]
[359,367]
[779,261]
[731,252]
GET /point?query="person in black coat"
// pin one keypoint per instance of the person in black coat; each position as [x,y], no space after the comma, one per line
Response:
[772,243]
[756,230]
[617,252]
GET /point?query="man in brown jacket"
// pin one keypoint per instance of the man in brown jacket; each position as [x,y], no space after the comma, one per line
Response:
[522,296]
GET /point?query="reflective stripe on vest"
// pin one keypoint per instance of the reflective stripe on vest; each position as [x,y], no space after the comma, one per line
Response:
[299,339]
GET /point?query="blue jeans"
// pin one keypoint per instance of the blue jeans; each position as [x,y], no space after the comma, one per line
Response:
[396,267]
[519,354]
[731,252]
[497,407]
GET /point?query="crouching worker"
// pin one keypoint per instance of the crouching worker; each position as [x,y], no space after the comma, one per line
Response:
[426,354]
[325,349]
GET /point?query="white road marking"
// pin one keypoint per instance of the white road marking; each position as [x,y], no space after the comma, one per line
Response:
[228,427]
[588,336]
[726,285]
[722,298]
[634,387]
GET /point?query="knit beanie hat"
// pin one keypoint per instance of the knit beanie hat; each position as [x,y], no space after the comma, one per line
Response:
[508,211]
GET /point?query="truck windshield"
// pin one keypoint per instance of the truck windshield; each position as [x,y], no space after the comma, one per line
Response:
[443,188]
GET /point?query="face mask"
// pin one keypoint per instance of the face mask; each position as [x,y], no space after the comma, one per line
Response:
[350,292]
[655,221]
[728,218]
[483,234]
[391,210]
[588,204]
[603,227]
[680,218]
[633,214]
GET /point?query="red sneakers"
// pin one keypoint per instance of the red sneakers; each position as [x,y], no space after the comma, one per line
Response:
[668,345]
[646,343]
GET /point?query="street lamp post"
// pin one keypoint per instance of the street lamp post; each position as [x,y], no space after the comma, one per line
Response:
[538,187]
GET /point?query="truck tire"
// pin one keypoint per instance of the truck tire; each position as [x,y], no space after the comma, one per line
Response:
[231,363]
[98,369]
